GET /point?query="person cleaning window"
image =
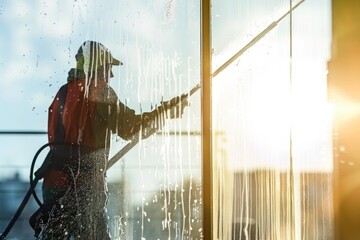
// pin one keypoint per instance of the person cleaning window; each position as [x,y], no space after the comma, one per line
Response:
[82,117]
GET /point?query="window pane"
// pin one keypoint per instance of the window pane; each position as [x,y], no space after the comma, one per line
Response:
[272,128]
[154,190]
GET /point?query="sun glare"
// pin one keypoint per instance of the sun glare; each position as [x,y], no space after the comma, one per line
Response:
[266,112]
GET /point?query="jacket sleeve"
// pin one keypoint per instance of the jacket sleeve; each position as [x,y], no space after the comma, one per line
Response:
[125,123]
[123,120]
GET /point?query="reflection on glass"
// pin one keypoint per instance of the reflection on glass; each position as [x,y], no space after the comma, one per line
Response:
[272,129]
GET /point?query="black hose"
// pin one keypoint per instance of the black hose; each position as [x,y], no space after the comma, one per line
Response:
[19,211]
[32,180]
[31,191]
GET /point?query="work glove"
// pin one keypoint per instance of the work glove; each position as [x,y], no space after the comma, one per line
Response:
[155,120]
[174,108]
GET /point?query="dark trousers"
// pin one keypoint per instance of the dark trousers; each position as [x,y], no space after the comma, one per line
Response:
[78,214]
[78,211]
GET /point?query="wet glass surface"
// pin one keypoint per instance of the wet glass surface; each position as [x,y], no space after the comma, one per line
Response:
[154,190]
[273,140]
[272,126]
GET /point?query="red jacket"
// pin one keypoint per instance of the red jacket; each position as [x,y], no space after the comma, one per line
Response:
[83,115]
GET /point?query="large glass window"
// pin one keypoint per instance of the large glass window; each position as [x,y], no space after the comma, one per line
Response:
[154,190]
[271,126]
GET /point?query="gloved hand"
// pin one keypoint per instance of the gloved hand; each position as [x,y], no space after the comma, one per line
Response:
[155,120]
[174,108]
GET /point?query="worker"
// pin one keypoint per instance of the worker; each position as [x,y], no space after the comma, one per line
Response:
[82,117]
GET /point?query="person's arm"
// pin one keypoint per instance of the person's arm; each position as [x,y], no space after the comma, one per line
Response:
[123,120]
[118,117]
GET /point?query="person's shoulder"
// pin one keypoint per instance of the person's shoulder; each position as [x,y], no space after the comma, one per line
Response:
[63,88]
[75,74]
[110,95]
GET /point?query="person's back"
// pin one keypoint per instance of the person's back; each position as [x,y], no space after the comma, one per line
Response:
[81,108]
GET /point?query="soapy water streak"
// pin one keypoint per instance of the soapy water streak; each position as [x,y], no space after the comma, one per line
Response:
[160,73]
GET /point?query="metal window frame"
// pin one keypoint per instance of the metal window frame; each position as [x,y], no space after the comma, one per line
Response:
[206,129]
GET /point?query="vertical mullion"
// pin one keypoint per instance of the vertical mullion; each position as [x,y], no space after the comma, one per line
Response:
[207,191]
[293,226]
